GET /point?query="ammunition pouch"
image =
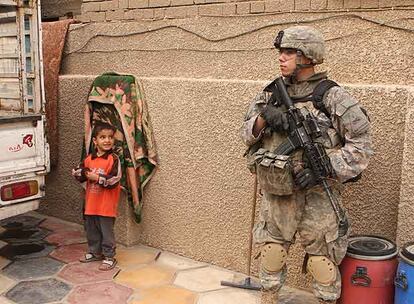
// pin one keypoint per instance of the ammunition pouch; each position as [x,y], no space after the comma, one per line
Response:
[273,172]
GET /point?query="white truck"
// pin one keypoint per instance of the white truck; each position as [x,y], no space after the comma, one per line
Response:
[24,152]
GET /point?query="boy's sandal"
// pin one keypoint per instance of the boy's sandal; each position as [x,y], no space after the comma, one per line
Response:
[90,257]
[108,264]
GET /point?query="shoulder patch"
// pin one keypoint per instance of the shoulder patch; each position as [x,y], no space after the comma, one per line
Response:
[344,105]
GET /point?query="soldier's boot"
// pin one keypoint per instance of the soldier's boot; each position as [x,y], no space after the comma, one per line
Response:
[268,297]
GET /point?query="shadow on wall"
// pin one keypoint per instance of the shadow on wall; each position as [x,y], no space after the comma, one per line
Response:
[53,10]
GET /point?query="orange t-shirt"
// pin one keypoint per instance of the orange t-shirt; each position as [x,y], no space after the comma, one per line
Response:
[102,197]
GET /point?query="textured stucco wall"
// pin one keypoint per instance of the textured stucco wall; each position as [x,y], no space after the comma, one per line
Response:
[199,202]
[405,231]
[359,49]
[199,75]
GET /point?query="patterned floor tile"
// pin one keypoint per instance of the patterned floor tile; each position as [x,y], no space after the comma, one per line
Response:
[165,295]
[5,283]
[4,300]
[70,253]
[146,277]
[178,262]
[32,268]
[230,296]
[22,251]
[66,237]
[21,221]
[59,225]
[4,262]
[100,293]
[203,279]
[81,273]
[157,279]
[290,295]
[132,257]
[24,235]
[38,292]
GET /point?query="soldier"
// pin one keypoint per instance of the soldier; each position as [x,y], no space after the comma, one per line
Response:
[293,203]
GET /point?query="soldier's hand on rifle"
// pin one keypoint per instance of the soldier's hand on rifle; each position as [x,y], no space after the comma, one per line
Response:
[275,118]
[305,179]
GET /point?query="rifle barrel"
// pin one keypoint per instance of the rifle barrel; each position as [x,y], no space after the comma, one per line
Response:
[342,221]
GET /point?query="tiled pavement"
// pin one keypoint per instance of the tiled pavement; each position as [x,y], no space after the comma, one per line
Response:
[39,264]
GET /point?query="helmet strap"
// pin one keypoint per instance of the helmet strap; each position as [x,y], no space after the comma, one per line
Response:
[299,64]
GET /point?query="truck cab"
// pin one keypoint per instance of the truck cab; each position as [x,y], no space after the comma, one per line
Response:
[24,151]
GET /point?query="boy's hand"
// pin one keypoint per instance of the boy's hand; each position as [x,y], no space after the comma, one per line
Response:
[93,177]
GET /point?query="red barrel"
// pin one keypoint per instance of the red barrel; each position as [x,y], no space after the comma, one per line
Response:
[368,271]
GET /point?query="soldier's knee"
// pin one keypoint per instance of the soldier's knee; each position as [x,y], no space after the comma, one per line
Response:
[273,256]
[322,269]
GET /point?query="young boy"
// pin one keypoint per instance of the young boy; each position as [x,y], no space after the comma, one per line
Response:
[102,172]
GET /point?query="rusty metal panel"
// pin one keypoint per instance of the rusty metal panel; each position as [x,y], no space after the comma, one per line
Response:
[9,106]
[20,58]
[8,47]
[9,67]
[9,88]
[8,29]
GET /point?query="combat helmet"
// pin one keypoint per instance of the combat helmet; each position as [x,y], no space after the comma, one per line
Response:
[305,39]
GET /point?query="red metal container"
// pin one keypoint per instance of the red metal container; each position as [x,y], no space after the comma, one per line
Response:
[368,271]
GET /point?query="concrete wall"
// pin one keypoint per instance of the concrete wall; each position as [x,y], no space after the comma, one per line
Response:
[114,10]
[199,202]
[55,9]
[361,49]
[199,76]
[405,229]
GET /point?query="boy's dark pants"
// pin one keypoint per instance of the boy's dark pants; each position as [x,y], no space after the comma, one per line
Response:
[100,235]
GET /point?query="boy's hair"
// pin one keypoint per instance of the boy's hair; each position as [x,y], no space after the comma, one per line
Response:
[99,126]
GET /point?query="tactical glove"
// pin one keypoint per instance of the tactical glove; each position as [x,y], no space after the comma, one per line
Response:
[275,118]
[305,179]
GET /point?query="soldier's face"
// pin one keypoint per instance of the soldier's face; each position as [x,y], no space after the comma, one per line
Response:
[287,61]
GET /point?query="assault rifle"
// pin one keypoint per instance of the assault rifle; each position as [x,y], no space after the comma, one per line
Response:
[303,130]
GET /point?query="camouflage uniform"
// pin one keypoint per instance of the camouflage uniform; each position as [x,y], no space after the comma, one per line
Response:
[346,137]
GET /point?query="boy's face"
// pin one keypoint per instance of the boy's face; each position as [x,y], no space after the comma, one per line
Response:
[104,140]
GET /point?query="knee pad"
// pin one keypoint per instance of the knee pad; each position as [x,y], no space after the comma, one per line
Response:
[274,257]
[322,269]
